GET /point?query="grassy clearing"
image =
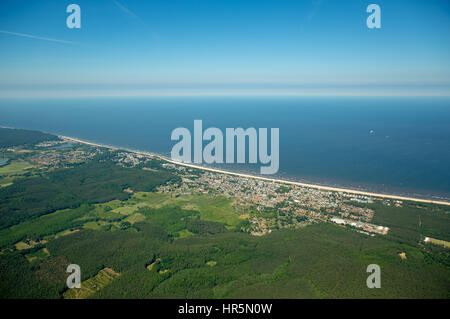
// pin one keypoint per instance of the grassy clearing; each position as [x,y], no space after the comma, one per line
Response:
[126,210]
[111,204]
[6,181]
[216,209]
[22,246]
[43,227]
[153,200]
[185,233]
[66,233]
[402,255]
[156,262]
[135,218]
[439,242]
[107,215]
[100,225]
[16,167]
[39,255]
[101,212]
[92,285]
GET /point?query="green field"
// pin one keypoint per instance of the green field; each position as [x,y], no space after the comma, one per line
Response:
[44,226]
[6,180]
[16,167]
[92,285]
[443,243]
[40,254]
[216,209]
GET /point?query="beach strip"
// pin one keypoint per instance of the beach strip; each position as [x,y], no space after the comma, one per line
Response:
[273,180]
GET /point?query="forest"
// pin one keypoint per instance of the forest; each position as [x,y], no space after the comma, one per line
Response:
[11,137]
[320,261]
[94,182]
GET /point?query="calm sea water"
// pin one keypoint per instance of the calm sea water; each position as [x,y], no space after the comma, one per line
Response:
[391,145]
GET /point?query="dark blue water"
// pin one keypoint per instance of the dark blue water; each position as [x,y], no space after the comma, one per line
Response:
[322,140]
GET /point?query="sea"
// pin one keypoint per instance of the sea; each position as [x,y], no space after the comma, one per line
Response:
[392,145]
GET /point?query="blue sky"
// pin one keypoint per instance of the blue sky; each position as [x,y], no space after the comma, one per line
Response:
[229,44]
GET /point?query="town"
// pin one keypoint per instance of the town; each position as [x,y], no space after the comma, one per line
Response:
[264,206]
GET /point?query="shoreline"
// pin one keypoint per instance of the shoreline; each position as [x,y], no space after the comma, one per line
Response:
[267,179]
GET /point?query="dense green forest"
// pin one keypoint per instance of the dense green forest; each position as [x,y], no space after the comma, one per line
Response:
[407,223]
[12,137]
[94,182]
[320,261]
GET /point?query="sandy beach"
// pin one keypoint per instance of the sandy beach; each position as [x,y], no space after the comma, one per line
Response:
[318,187]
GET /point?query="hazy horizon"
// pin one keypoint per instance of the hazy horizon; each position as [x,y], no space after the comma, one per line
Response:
[229,47]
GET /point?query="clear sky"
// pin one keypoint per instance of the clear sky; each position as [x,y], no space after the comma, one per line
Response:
[229,43]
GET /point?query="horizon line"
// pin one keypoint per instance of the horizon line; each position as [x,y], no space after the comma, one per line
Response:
[307,92]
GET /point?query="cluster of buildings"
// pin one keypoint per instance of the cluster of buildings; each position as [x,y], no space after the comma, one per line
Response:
[272,205]
[127,159]
[267,205]
[355,212]
[60,153]
[365,227]
[259,227]
[51,143]
[59,159]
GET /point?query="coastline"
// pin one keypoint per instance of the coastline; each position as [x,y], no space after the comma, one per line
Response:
[267,179]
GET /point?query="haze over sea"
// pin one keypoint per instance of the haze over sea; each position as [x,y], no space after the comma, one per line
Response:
[391,145]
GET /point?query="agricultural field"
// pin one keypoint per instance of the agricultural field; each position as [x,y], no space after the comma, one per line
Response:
[92,285]
[15,167]
[215,209]
[6,180]
[40,254]
[439,242]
